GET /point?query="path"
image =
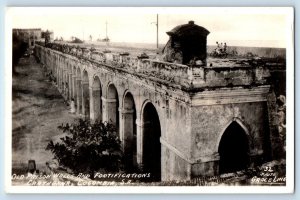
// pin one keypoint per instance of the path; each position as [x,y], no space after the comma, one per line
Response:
[37,110]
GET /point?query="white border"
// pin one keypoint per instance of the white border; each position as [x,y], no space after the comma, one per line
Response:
[289,188]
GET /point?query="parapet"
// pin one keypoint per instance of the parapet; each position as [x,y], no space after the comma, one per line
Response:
[216,73]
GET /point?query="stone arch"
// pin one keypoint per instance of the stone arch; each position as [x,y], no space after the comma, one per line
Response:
[237,120]
[151,133]
[129,129]
[64,76]
[96,112]
[67,81]
[58,75]
[234,148]
[61,78]
[55,66]
[74,92]
[85,95]
[70,81]
[112,105]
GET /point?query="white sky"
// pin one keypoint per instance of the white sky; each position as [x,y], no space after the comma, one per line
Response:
[236,26]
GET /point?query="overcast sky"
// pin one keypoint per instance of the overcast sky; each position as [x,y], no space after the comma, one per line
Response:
[236,26]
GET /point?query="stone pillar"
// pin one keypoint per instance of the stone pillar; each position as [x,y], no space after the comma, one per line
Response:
[63,82]
[109,109]
[92,110]
[57,73]
[139,142]
[70,85]
[126,128]
[74,88]
[79,97]
[66,84]
[95,108]
[85,99]
[60,80]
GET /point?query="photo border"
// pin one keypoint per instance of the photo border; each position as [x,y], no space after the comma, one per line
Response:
[290,112]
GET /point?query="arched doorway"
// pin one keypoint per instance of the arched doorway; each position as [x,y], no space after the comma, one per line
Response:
[129,131]
[85,96]
[233,149]
[112,105]
[151,142]
[97,104]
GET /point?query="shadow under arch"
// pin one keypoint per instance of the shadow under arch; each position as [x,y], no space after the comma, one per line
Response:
[151,132]
[85,95]
[78,91]
[74,90]
[97,99]
[129,131]
[233,148]
[112,105]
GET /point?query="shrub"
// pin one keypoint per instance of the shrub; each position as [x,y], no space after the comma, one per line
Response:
[88,147]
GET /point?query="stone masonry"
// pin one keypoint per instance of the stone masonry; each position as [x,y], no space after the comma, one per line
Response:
[194,104]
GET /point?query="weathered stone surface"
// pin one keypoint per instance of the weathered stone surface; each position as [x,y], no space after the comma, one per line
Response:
[194,105]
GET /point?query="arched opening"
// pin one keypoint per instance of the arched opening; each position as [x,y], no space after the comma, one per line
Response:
[112,104]
[68,85]
[97,104]
[63,78]
[233,149]
[62,81]
[59,77]
[74,85]
[56,71]
[70,82]
[151,142]
[129,131]
[85,96]
[79,90]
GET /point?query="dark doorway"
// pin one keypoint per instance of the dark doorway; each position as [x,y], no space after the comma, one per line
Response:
[233,149]
[151,143]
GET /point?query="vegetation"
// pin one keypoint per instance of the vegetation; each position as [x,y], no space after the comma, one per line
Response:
[88,147]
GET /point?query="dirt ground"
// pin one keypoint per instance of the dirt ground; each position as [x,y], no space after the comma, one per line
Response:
[37,110]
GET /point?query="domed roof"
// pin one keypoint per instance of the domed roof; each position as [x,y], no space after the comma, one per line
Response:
[187,30]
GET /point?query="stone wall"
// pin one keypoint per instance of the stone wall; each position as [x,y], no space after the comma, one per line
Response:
[210,122]
[194,104]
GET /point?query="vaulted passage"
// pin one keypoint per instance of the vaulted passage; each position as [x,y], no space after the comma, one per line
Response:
[151,142]
[129,126]
[74,89]
[97,102]
[112,105]
[233,149]
[85,96]
[70,85]
[79,90]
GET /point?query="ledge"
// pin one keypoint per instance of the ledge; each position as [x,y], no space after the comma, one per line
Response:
[178,75]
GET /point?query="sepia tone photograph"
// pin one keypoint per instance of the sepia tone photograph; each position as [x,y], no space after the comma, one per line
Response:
[172,97]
